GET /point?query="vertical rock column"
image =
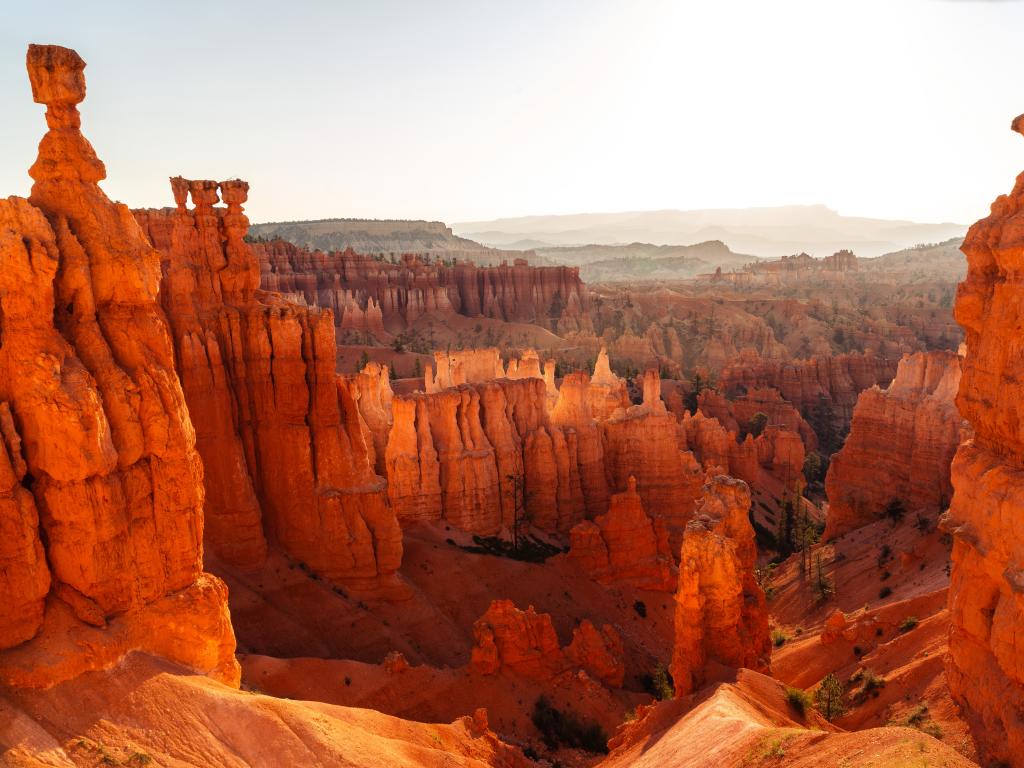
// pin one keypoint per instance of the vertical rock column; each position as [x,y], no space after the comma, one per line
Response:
[88,373]
[985,666]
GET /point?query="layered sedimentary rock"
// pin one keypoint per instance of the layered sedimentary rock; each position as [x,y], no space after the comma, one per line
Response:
[833,381]
[985,667]
[721,618]
[101,494]
[281,438]
[738,414]
[624,546]
[466,366]
[524,643]
[370,390]
[643,442]
[901,442]
[607,392]
[360,288]
[482,457]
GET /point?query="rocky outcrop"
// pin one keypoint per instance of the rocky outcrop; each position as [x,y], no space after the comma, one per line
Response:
[378,296]
[598,652]
[624,546]
[100,484]
[482,457]
[258,374]
[721,618]
[830,382]
[466,366]
[370,390]
[643,442]
[524,643]
[607,392]
[985,667]
[901,442]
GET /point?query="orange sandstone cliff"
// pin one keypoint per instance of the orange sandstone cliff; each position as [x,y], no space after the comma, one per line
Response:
[101,484]
[985,667]
[901,442]
[280,437]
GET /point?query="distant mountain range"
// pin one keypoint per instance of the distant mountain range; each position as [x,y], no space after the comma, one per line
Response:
[767,232]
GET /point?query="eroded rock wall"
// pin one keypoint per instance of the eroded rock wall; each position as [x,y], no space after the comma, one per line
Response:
[985,666]
[281,438]
[901,443]
[380,296]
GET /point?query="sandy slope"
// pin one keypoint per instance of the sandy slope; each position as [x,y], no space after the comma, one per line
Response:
[749,723]
[148,712]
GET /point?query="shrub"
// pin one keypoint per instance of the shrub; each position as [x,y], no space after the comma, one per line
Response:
[559,728]
[884,592]
[778,638]
[798,699]
[828,698]
[659,683]
[641,608]
[908,624]
[895,511]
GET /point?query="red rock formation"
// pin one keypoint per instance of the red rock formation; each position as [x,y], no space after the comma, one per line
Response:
[643,442]
[259,377]
[96,434]
[25,576]
[598,652]
[835,380]
[985,667]
[373,295]
[736,414]
[707,439]
[624,546]
[370,389]
[901,442]
[721,618]
[572,414]
[468,366]
[482,456]
[524,643]
[607,392]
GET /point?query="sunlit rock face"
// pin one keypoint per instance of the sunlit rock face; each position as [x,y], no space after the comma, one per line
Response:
[625,546]
[259,378]
[985,667]
[901,443]
[101,492]
[721,618]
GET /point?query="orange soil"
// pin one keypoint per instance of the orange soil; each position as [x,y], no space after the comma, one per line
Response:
[910,662]
[149,712]
[749,723]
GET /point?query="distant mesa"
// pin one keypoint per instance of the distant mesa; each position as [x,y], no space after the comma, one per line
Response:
[766,232]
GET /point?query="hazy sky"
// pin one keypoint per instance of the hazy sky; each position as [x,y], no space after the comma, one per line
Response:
[477,109]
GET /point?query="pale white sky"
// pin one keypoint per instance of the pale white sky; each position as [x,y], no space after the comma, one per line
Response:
[478,109]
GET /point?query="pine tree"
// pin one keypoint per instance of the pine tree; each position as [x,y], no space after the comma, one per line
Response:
[828,699]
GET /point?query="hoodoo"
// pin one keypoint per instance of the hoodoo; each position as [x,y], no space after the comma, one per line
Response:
[986,597]
[259,378]
[100,473]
